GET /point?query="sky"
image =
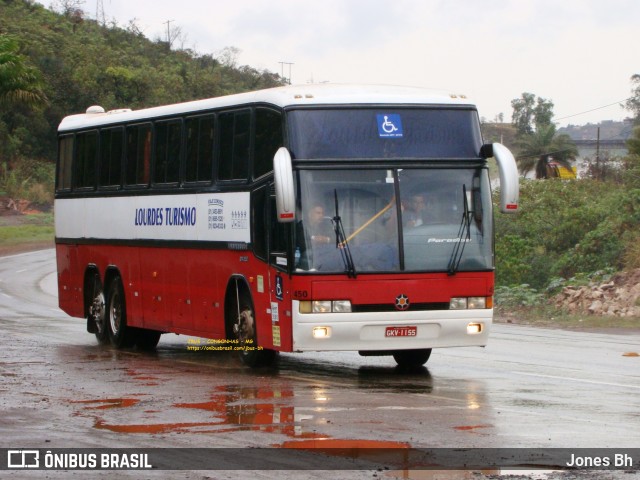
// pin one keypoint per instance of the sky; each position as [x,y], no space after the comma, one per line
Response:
[579,54]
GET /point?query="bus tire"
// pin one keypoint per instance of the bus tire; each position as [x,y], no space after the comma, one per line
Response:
[412,358]
[96,311]
[247,335]
[120,334]
[146,339]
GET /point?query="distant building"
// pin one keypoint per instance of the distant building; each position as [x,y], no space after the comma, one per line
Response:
[605,141]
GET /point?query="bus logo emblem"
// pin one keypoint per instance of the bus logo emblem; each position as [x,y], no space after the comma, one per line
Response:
[402,302]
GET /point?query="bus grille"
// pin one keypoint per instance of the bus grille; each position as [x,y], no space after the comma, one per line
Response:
[386,307]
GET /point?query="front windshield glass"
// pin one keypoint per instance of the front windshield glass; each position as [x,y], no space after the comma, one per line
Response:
[394,220]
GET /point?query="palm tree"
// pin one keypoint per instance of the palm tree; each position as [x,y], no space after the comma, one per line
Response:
[19,83]
[542,149]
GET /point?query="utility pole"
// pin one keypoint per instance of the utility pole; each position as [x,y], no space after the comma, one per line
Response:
[600,173]
[168,22]
[282,64]
[100,18]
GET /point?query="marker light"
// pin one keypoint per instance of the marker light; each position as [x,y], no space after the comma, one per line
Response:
[321,332]
[474,328]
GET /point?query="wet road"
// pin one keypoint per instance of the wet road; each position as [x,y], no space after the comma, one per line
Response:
[529,388]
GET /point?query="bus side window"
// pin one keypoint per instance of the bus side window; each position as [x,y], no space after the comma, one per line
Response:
[138,161]
[86,160]
[235,129]
[65,161]
[200,133]
[168,138]
[268,140]
[259,205]
[111,157]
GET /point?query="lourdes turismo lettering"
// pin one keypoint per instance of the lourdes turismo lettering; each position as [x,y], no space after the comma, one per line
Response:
[171,216]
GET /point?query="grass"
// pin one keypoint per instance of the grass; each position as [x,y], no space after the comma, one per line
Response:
[26,232]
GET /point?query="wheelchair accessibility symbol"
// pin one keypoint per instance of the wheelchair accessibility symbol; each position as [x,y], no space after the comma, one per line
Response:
[279,288]
[389,125]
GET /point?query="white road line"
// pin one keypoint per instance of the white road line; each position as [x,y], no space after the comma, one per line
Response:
[581,380]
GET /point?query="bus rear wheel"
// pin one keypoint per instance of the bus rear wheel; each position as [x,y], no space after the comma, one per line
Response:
[96,318]
[246,333]
[412,358]
[120,334]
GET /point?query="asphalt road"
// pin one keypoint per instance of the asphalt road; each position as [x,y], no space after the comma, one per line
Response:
[530,388]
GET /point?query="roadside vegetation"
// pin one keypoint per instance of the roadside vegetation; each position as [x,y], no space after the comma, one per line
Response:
[53,64]
[568,233]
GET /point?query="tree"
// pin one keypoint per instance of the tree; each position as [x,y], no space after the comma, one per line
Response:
[530,113]
[633,103]
[540,149]
[19,83]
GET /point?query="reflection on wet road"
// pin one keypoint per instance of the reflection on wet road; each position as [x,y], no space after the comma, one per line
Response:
[528,388]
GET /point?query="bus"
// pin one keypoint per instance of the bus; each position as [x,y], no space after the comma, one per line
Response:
[294,219]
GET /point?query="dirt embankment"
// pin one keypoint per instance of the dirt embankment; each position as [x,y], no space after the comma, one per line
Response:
[619,297]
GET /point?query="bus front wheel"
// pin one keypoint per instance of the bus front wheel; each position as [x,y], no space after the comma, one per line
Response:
[120,334]
[246,334]
[412,358]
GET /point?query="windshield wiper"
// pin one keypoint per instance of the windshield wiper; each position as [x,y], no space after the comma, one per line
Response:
[341,242]
[463,238]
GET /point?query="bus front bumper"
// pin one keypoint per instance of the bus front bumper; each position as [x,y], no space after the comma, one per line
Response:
[387,331]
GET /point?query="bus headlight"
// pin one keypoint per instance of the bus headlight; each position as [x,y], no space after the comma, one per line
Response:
[325,306]
[476,302]
[321,306]
[471,303]
[341,306]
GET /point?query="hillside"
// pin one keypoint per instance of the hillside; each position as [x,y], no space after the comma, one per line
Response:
[83,63]
[609,130]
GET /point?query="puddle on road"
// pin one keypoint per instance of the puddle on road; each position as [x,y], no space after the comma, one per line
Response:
[230,409]
[471,427]
[152,429]
[107,403]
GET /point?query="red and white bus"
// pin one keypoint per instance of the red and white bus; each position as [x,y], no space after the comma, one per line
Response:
[294,219]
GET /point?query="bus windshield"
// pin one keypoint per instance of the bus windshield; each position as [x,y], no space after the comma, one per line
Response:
[414,219]
[384,133]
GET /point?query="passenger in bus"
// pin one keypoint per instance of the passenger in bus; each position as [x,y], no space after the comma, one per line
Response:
[413,211]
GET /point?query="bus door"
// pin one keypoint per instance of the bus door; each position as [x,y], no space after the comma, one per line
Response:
[272,300]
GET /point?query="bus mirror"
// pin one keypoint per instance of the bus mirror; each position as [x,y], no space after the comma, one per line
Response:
[285,192]
[509,189]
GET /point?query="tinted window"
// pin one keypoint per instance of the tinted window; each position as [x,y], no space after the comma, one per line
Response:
[111,143]
[385,133]
[235,129]
[65,160]
[259,222]
[167,154]
[138,154]
[199,148]
[86,159]
[268,140]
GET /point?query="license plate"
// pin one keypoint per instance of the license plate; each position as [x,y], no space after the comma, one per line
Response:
[401,332]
